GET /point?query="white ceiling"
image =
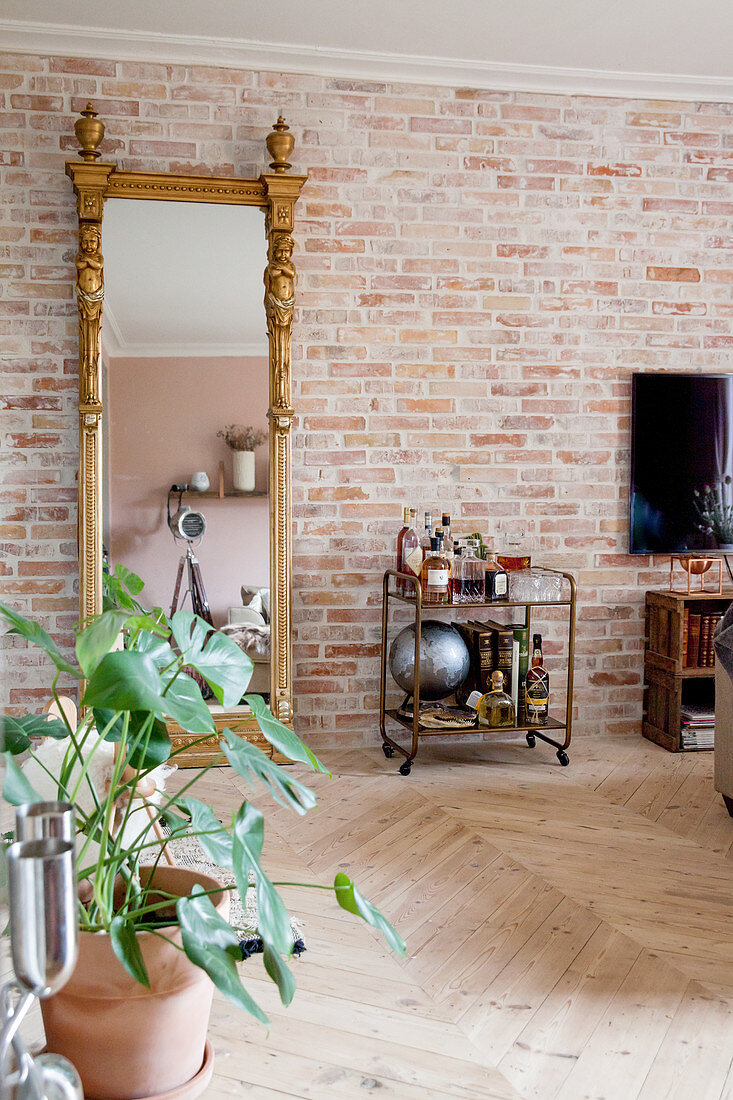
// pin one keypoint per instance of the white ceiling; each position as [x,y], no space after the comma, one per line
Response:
[652,47]
[183,279]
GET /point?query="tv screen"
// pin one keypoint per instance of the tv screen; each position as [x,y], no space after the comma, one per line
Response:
[681,446]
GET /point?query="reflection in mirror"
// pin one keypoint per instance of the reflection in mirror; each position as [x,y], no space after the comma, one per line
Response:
[184,356]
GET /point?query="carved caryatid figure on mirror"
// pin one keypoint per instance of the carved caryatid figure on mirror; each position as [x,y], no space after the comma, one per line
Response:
[279,304]
[90,296]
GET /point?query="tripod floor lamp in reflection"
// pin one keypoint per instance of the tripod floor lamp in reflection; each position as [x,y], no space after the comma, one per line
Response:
[44,939]
[188,526]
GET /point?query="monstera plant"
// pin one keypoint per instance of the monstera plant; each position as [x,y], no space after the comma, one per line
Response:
[135,669]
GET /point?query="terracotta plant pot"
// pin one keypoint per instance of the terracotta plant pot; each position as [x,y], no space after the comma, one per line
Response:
[127,1041]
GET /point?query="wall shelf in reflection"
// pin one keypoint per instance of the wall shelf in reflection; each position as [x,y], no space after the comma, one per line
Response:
[214,494]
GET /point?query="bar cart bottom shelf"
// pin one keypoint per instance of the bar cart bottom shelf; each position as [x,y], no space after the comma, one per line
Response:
[389,747]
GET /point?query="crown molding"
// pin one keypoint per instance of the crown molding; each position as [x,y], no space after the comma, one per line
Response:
[53,39]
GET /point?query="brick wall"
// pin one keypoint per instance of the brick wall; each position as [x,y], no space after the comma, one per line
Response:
[480,273]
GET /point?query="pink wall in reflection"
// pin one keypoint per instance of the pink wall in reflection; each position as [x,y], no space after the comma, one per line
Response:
[163,418]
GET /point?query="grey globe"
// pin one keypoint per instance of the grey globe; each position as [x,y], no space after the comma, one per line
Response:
[444,659]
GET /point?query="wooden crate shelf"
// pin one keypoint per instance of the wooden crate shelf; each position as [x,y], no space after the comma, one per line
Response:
[665,673]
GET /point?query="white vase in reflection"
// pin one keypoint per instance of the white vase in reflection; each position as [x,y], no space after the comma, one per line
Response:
[243,471]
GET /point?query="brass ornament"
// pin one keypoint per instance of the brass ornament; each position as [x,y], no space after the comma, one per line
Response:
[276,194]
[280,143]
[89,133]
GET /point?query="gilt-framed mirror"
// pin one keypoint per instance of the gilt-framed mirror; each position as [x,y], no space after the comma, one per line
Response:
[185,292]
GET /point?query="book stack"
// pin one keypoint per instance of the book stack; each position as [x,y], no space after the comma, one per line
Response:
[697,727]
[697,639]
[493,645]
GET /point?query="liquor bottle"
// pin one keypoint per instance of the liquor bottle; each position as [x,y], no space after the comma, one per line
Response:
[409,552]
[459,549]
[468,576]
[427,535]
[448,548]
[495,709]
[537,687]
[497,581]
[435,576]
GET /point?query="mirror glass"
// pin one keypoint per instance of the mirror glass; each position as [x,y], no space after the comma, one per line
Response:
[185,355]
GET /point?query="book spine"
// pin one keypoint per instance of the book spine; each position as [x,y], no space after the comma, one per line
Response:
[504,652]
[487,658]
[714,620]
[693,642]
[515,674]
[704,641]
[685,635]
[521,635]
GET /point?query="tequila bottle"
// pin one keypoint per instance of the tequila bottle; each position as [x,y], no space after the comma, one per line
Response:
[495,709]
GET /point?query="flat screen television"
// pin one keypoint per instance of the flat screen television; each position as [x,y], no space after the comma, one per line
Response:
[681,441]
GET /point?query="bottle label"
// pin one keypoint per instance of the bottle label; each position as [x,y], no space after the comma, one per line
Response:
[501,584]
[474,699]
[438,578]
[413,561]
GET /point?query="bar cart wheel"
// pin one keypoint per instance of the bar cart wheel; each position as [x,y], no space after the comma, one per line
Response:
[531,740]
[387,750]
[563,757]
[406,768]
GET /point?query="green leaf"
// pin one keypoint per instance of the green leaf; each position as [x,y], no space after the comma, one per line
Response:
[281,975]
[280,737]
[17,790]
[252,763]
[273,922]
[156,648]
[117,586]
[216,657]
[350,899]
[216,842]
[15,733]
[184,703]
[125,680]
[96,639]
[127,949]
[209,942]
[39,637]
[130,580]
[138,755]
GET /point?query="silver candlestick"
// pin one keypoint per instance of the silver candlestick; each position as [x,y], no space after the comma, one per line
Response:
[44,946]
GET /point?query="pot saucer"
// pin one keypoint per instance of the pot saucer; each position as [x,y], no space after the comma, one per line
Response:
[193,1088]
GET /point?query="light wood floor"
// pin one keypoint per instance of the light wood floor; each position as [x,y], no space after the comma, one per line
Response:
[569,931]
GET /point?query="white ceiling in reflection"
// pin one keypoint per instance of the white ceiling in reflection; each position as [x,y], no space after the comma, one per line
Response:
[183,279]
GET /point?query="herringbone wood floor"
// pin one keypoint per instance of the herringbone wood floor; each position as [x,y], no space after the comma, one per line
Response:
[569,931]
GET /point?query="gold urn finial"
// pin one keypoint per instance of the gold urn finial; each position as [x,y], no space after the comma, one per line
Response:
[280,144]
[89,133]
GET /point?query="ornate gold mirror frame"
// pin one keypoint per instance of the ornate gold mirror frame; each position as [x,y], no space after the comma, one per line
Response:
[276,195]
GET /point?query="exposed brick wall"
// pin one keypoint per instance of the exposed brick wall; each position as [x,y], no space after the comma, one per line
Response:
[479,275]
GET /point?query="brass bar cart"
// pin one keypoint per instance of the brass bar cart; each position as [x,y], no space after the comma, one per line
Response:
[412,584]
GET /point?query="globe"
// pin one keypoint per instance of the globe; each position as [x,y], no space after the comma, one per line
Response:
[444,659]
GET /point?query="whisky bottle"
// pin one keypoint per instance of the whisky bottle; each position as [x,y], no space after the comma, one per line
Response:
[435,576]
[409,552]
[427,535]
[497,580]
[495,709]
[537,687]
